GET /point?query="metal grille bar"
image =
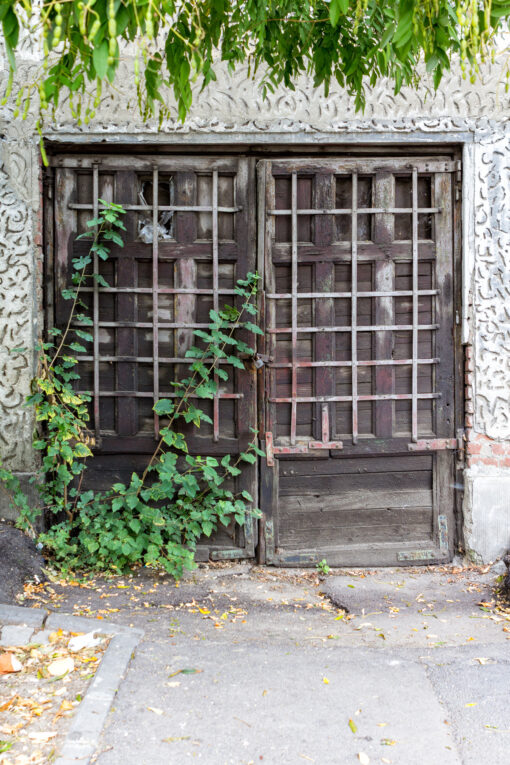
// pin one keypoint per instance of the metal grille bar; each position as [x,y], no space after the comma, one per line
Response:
[365,363]
[150,394]
[164,208]
[359,397]
[160,290]
[354,307]
[216,401]
[294,277]
[360,328]
[155,296]
[414,388]
[361,211]
[371,293]
[95,307]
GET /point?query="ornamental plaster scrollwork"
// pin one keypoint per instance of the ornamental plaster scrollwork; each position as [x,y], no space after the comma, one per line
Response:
[492,288]
[17,301]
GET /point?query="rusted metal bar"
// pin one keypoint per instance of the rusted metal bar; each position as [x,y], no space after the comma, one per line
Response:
[372,293]
[293,414]
[148,324]
[433,444]
[362,397]
[363,363]
[150,394]
[216,402]
[360,328]
[149,359]
[166,208]
[95,304]
[160,290]
[269,449]
[325,422]
[354,307]
[347,211]
[155,304]
[414,388]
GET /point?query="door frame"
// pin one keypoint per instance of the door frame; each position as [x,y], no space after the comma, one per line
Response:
[459,145]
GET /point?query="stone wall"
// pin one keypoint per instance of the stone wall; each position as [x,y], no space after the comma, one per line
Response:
[232,110]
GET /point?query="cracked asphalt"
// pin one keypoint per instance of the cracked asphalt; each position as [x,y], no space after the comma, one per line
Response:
[242,665]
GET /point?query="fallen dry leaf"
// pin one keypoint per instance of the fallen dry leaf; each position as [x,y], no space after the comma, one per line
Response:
[363,758]
[42,736]
[9,663]
[60,667]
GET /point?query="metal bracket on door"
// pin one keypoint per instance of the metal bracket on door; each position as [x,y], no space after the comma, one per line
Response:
[325,443]
[434,444]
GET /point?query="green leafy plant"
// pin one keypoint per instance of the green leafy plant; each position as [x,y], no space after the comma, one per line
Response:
[158,518]
[322,567]
[63,439]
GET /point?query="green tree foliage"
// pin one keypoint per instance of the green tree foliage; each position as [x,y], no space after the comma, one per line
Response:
[169,44]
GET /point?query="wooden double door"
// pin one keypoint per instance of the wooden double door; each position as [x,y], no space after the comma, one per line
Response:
[353,389]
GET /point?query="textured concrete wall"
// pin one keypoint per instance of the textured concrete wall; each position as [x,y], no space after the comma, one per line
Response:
[233,110]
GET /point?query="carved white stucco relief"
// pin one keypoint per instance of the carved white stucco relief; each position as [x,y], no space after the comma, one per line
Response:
[492,287]
[17,300]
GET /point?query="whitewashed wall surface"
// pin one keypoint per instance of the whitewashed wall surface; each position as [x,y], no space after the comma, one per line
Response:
[474,115]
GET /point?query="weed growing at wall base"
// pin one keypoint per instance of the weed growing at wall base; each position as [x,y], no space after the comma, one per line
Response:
[157,518]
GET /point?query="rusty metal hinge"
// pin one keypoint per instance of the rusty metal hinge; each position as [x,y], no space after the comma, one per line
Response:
[458,179]
[436,444]
[442,552]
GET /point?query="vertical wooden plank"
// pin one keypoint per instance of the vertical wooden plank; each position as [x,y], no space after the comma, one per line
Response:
[246,380]
[384,196]
[444,347]
[269,507]
[65,232]
[185,269]
[49,210]
[126,187]
[324,196]
[444,309]
[270,287]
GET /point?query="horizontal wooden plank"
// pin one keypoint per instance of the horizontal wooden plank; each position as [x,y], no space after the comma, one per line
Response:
[341,252]
[146,162]
[326,535]
[166,250]
[302,485]
[356,499]
[356,465]
[368,165]
[367,517]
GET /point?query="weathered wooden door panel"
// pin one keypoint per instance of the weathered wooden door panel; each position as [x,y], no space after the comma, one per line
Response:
[359,385]
[190,236]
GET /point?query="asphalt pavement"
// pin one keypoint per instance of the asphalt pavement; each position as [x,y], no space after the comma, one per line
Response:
[242,665]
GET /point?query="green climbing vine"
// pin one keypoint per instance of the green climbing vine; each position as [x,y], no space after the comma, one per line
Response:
[158,517]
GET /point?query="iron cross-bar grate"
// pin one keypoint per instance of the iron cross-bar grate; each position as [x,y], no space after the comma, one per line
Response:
[295,330]
[154,210]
